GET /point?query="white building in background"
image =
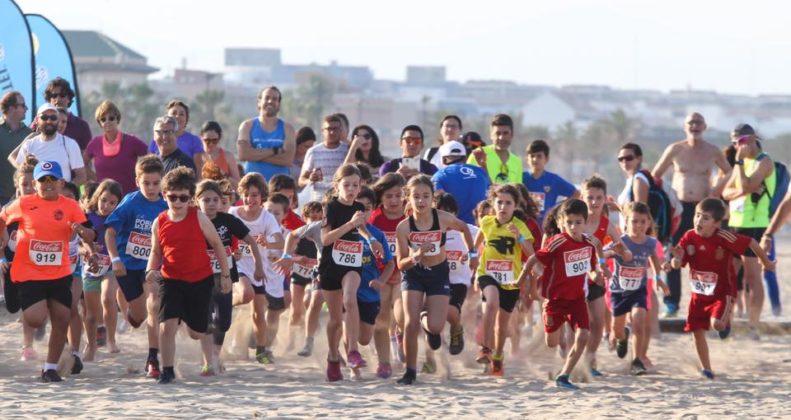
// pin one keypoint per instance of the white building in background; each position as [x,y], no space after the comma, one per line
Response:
[547,110]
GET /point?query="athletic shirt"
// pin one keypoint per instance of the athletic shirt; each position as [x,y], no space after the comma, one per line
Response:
[336,215]
[10,247]
[744,212]
[221,162]
[388,228]
[632,276]
[455,251]
[709,259]
[178,241]
[601,231]
[435,236]
[265,225]
[262,139]
[501,258]
[547,190]
[229,228]
[132,221]
[371,271]
[569,262]
[499,172]
[101,249]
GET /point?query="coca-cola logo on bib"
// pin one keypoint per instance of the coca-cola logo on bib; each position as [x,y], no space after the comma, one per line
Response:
[704,276]
[499,265]
[632,272]
[39,246]
[390,236]
[578,255]
[350,247]
[453,255]
[139,239]
[425,237]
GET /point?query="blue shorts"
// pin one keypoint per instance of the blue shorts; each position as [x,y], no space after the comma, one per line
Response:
[368,311]
[429,280]
[132,284]
[622,303]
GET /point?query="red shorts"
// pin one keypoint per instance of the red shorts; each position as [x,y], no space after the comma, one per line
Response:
[702,309]
[556,312]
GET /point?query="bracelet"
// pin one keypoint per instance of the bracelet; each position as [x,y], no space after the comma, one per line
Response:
[473,254]
[521,238]
[225,276]
[285,255]
[602,261]
[115,259]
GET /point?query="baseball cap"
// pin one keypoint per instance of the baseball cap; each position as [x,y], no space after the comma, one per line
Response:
[45,168]
[452,148]
[743,129]
[46,107]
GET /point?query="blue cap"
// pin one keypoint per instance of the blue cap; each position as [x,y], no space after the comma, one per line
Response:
[45,168]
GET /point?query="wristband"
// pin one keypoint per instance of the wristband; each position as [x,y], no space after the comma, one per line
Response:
[521,238]
[473,254]
[3,260]
[115,259]
[285,255]
[602,261]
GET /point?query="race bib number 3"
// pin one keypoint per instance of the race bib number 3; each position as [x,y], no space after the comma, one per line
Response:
[703,282]
[433,237]
[348,253]
[139,246]
[631,278]
[578,262]
[501,270]
[46,252]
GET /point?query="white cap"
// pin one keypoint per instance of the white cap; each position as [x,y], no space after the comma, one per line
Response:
[452,148]
[46,107]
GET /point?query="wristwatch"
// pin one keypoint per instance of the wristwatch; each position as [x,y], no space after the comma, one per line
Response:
[739,162]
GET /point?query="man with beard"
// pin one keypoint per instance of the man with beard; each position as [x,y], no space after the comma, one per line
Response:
[49,145]
[267,143]
[502,165]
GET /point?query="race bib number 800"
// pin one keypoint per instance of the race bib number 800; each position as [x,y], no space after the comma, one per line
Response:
[139,246]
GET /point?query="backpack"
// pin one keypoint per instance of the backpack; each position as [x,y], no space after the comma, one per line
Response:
[664,205]
[782,179]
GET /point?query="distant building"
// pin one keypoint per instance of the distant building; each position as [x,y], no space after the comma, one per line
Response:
[425,75]
[99,59]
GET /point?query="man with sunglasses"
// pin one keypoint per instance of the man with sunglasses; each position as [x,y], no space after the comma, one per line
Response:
[59,94]
[50,145]
[12,133]
[692,160]
[410,163]
[165,137]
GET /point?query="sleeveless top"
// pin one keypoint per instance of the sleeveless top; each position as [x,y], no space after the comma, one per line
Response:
[262,139]
[221,162]
[183,248]
[434,235]
[752,210]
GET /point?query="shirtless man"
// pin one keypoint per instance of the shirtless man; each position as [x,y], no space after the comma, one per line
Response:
[692,160]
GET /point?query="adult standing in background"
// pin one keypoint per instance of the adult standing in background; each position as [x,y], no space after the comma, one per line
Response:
[186,141]
[165,137]
[449,130]
[500,163]
[365,148]
[306,138]
[410,163]
[691,160]
[323,159]
[12,133]
[59,94]
[468,184]
[211,135]
[114,154]
[266,143]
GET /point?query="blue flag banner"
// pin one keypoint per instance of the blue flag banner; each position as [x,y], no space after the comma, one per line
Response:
[52,58]
[16,55]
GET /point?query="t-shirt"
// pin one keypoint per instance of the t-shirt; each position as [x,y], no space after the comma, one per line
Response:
[265,225]
[336,215]
[499,172]
[624,197]
[547,190]
[43,235]
[501,258]
[9,140]
[468,184]
[569,263]
[388,228]
[61,149]
[186,142]
[311,232]
[176,159]
[426,167]
[632,276]
[105,265]
[291,221]
[120,167]
[132,221]
[328,160]
[455,251]
[371,269]
[228,227]
[709,258]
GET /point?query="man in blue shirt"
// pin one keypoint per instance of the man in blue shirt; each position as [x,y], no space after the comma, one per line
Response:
[545,187]
[468,184]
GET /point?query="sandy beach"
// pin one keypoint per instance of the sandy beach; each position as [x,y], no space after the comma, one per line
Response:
[753,379]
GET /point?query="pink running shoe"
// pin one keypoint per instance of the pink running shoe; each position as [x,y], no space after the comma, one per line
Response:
[384,371]
[356,360]
[28,354]
[334,373]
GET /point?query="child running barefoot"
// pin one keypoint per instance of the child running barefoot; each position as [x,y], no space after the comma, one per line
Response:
[229,228]
[568,259]
[128,239]
[425,288]
[186,278]
[708,250]
[100,285]
[505,239]
[629,284]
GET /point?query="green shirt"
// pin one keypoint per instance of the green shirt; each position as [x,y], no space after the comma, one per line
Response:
[9,140]
[509,172]
[747,213]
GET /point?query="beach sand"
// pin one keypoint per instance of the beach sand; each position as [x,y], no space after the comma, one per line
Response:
[753,379]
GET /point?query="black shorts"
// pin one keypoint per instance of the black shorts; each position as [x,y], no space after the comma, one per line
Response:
[623,303]
[754,233]
[273,303]
[595,291]
[299,280]
[458,293]
[186,301]
[368,311]
[508,297]
[11,293]
[332,276]
[429,280]
[132,284]
[33,291]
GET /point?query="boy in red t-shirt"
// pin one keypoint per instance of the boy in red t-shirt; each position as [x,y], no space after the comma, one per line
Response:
[569,258]
[708,250]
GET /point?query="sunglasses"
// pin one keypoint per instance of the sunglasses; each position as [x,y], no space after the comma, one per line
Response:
[628,158]
[178,197]
[212,140]
[48,117]
[412,140]
[741,140]
[57,95]
[110,118]
[164,132]
[47,179]
[366,136]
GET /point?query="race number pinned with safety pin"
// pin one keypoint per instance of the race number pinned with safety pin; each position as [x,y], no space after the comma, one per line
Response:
[502,271]
[630,278]
[215,263]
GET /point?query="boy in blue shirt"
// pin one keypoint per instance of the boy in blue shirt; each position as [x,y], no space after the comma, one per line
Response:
[545,187]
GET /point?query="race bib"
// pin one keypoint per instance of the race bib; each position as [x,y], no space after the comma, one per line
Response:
[502,271]
[703,282]
[737,205]
[215,263]
[433,237]
[539,198]
[12,241]
[454,260]
[104,263]
[46,253]
[578,262]
[304,270]
[246,250]
[630,278]
[139,246]
[347,253]
[391,241]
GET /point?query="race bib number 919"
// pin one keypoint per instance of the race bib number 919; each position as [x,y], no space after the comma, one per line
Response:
[46,252]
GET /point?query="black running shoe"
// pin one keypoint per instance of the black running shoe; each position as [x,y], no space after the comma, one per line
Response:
[77,367]
[167,376]
[637,368]
[725,332]
[434,340]
[407,379]
[623,345]
[50,375]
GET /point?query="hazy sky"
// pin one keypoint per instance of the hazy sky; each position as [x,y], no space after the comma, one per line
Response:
[729,46]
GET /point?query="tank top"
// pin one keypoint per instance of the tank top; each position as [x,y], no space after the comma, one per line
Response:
[388,228]
[221,162]
[601,231]
[745,212]
[262,139]
[183,248]
[434,235]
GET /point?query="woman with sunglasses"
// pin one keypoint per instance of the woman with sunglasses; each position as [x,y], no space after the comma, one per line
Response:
[630,159]
[211,135]
[365,148]
[113,153]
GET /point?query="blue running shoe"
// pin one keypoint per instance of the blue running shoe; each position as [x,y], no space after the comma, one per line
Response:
[707,373]
[595,373]
[562,381]
[725,332]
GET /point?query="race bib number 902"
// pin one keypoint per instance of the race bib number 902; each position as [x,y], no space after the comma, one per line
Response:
[578,262]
